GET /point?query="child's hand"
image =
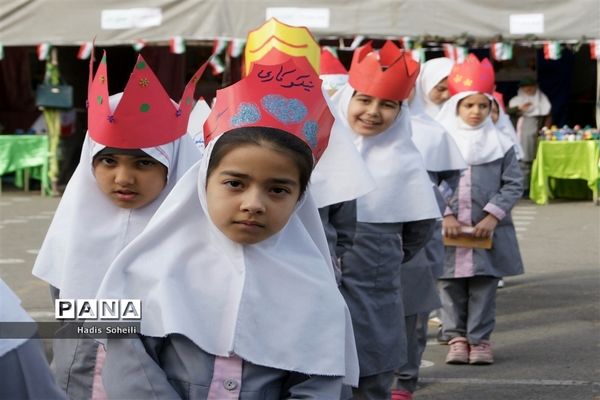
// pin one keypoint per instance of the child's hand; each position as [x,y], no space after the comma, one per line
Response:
[485,227]
[451,226]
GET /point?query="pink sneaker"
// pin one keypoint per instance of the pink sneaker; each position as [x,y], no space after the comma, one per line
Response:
[459,351]
[481,353]
[401,395]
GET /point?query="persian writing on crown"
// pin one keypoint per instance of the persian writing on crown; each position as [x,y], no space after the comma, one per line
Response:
[287,78]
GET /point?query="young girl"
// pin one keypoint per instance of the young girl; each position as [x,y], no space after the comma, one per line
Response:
[443,162]
[394,220]
[233,272]
[487,191]
[432,90]
[135,152]
[23,365]
[502,122]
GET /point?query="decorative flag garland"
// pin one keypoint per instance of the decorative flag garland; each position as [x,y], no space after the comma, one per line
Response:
[332,50]
[85,50]
[407,42]
[236,47]
[552,50]
[219,45]
[43,50]
[177,45]
[595,49]
[418,54]
[217,65]
[139,44]
[501,51]
[456,53]
[1,51]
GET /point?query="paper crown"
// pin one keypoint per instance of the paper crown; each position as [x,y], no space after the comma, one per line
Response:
[331,65]
[472,75]
[285,96]
[389,73]
[293,40]
[145,116]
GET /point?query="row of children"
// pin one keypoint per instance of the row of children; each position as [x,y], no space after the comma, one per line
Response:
[296,255]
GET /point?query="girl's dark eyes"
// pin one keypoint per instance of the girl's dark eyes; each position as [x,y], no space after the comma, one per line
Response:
[146,163]
[280,190]
[233,184]
[107,160]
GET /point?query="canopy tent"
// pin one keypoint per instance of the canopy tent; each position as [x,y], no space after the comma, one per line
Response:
[68,22]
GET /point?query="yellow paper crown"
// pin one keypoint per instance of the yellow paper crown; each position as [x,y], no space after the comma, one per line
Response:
[296,41]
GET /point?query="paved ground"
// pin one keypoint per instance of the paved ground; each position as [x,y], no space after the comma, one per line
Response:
[547,337]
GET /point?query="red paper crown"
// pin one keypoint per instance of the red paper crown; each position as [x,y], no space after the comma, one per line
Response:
[472,75]
[387,74]
[285,96]
[331,65]
[145,116]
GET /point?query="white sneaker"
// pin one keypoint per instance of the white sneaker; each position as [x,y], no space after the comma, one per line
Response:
[500,283]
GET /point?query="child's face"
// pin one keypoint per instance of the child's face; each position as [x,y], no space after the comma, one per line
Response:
[474,109]
[495,114]
[129,181]
[369,115]
[439,94]
[529,89]
[252,193]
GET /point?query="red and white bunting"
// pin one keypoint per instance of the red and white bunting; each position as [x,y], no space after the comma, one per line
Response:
[43,50]
[236,47]
[552,50]
[139,44]
[177,45]
[85,50]
[595,49]
[219,45]
[456,53]
[217,65]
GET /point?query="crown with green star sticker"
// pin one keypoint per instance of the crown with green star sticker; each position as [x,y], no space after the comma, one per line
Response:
[145,115]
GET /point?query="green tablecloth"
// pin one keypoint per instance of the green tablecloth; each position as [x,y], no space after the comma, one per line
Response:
[18,152]
[564,160]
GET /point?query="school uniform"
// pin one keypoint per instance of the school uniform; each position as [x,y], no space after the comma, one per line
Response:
[23,365]
[393,223]
[491,185]
[86,234]
[443,162]
[173,367]
[218,301]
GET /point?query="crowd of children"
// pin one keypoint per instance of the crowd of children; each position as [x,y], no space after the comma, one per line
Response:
[292,245]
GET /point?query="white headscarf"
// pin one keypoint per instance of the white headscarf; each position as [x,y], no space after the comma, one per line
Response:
[341,174]
[274,303]
[438,149]
[505,126]
[478,145]
[195,125]
[432,72]
[11,311]
[540,105]
[88,230]
[403,190]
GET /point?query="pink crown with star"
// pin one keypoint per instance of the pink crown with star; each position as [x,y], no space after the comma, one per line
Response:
[145,116]
[472,75]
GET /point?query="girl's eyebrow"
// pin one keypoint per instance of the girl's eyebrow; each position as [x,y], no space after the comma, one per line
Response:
[280,181]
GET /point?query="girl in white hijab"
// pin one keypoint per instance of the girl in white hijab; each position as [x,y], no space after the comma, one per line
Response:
[233,272]
[129,164]
[394,220]
[488,189]
[431,89]
[23,365]
[443,162]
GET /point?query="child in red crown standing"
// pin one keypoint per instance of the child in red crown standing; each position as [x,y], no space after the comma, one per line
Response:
[135,151]
[488,190]
[394,220]
[234,272]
